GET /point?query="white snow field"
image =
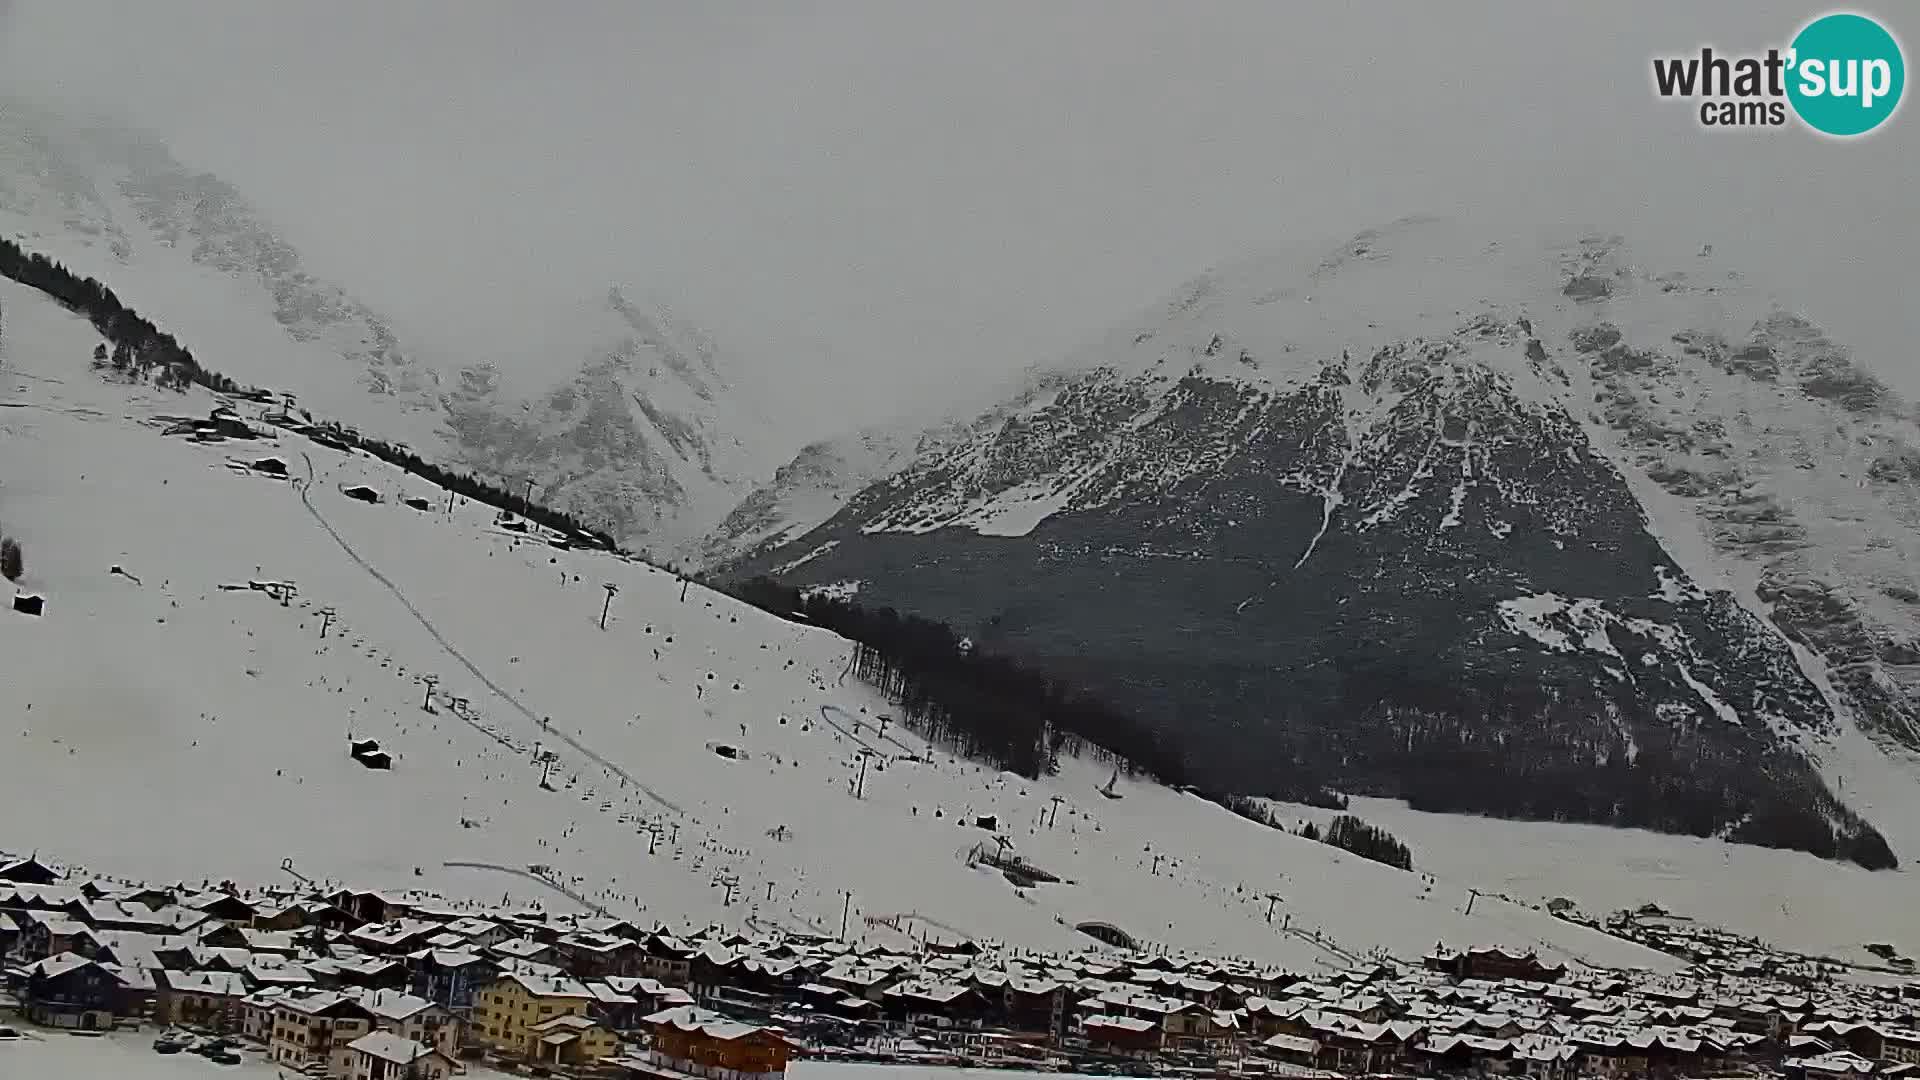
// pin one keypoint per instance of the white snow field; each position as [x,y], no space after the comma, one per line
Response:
[1787,898]
[162,725]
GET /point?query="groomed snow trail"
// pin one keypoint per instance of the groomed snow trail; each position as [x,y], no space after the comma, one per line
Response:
[500,691]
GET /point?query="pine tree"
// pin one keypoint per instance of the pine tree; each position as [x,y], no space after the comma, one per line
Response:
[12,560]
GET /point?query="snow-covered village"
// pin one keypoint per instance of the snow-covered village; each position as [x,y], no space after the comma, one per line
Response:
[633,541]
[712,919]
[353,984]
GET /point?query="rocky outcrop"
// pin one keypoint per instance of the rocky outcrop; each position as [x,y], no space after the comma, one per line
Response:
[1380,528]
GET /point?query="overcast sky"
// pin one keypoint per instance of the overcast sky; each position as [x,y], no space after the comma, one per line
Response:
[882,203]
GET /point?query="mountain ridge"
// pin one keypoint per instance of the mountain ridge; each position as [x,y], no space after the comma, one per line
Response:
[1427,416]
[667,455]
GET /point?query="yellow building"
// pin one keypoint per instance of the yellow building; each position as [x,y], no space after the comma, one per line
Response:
[506,1013]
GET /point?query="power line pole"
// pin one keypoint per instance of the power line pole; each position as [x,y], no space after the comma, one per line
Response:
[846,907]
[611,589]
[431,681]
[1272,900]
[326,620]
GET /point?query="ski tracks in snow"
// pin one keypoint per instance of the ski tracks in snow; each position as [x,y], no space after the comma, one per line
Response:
[500,691]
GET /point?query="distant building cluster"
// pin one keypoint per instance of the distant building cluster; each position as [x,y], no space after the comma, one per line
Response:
[372,985]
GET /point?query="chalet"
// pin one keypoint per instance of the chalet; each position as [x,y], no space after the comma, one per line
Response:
[72,991]
[314,1029]
[222,905]
[668,959]
[621,1003]
[415,1019]
[1493,964]
[256,1013]
[44,934]
[278,942]
[593,956]
[398,937]
[358,971]
[1839,1065]
[523,950]
[382,1055]
[571,1040]
[689,1042]
[450,978]
[1122,1036]
[210,999]
[151,898]
[478,933]
[862,981]
[365,906]
[926,1003]
[1901,1045]
[29,871]
[1296,1050]
[710,968]
[268,970]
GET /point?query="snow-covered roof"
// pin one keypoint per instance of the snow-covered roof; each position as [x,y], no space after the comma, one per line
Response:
[387,1046]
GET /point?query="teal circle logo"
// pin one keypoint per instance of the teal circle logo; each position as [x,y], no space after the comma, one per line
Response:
[1847,74]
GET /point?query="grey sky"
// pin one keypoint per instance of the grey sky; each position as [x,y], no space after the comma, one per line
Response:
[885,202]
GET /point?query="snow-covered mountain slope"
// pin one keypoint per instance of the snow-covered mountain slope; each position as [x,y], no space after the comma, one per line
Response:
[114,204]
[635,420]
[166,720]
[644,441]
[1497,520]
[809,490]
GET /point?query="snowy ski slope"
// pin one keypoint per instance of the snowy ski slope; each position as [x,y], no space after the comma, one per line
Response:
[164,724]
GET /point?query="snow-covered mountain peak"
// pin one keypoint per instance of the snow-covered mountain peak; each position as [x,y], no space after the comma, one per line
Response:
[1302,468]
[634,416]
[646,436]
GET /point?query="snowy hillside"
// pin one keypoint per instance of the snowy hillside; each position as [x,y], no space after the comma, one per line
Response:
[1525,523]
[635,420]
[170,719]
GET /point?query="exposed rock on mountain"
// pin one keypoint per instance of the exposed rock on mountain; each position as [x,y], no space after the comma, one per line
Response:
[644,434]
[1417,522]
[645,437]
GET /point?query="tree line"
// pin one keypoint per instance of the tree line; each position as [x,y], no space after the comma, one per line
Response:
[142,350]
[141,347]
[971,701]
[1526,750]
[1345,831]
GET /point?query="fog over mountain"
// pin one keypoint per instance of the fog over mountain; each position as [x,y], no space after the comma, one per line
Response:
[885,207]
